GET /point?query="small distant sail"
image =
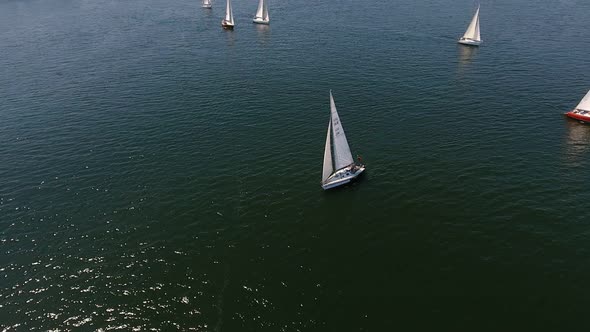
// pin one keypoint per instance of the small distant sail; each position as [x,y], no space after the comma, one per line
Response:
[342,154]
[260,10]
[328,169]
[473,28]
[207,3]
[229,15]
[584,105]
[265,11]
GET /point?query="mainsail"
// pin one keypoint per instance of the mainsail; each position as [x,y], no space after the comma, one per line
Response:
[206,2]
[342,155]
[328,169]
[584,105]
[260,9]
[265,11]
[229,16]
[473,28]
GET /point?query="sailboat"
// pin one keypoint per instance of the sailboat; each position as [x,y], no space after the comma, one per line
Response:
[582,111]
[206,3]
[228,21]
[340,169]
[262,13]
[471,36]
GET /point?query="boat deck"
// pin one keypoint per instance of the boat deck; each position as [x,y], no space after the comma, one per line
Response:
[343,176]
[580,115]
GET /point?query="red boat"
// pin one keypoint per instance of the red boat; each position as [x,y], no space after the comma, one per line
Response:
[582,111]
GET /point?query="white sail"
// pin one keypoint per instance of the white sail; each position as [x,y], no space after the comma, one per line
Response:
[229,15]
[328,169]
[473,28]
[584,105]
[260,10]
[477,35]
[342,155]
[265,11]
[206,3]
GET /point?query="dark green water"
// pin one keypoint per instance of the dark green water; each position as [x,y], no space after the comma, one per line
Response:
[160,173]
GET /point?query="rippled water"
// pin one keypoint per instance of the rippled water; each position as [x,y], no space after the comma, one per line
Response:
[159,173]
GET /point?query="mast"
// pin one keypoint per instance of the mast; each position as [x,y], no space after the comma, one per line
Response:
[328,169]
[584,104]
[342,155]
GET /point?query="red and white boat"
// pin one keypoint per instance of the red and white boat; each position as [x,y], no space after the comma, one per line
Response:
[582,111]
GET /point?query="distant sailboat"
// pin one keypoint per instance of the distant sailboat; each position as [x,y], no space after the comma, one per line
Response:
[346,169]
[228,22]
[262,13]
[472,36]
[582,111]
[206,3]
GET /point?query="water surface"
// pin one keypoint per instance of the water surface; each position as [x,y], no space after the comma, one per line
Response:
[161,173]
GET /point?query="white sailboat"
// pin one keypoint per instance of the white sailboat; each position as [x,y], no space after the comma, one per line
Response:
[262,13]
[341,169]
[206,3]
[472,36]
[228,21]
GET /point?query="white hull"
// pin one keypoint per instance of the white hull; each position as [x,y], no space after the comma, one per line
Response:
[342,176]
[466,41]
[207,6]
[258,20]
[227,24]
